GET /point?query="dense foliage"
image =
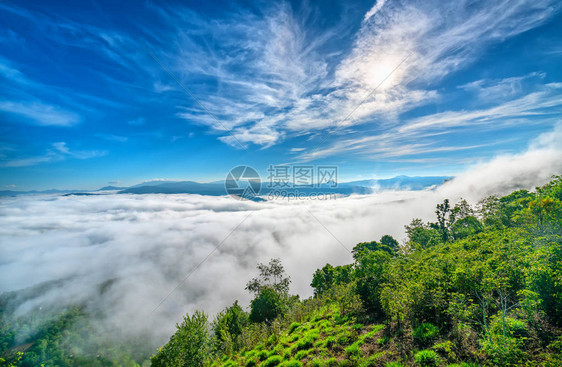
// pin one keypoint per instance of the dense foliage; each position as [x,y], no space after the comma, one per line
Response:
[479,286]
[62,338]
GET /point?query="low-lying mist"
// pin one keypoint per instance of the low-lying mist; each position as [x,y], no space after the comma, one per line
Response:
[124,255]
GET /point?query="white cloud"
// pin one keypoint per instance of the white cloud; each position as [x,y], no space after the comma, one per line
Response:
[494,90]
[137,122]
[58,152]
[378,5]
[284,83]
[41,113]
[420,135]
[282,74]
[113,137]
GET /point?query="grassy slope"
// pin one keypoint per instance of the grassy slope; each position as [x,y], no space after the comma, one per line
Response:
[326,339]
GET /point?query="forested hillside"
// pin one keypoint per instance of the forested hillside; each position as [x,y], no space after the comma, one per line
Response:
[479,286]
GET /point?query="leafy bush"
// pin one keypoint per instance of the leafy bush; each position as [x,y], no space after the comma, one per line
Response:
[426,358]
[344,338]
[513,327]
[445,348]
[357,326]
[330,341]
[353,350]
[504,350]
[383,340]
[301,354]
[272,361]
[263,355]
[291,363]
[305,343]
[293,327]
[425,332]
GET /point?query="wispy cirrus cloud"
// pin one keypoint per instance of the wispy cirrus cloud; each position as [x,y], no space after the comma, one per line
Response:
[23,104]
[40,113]
[279,72]
[494,90]
[56,152]
[543,104]
[426,134]
[278,79]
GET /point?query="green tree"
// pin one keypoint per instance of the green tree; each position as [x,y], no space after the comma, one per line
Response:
[421,234]
[326,278]
[228,326]
[389,242]
[370,275]
[267,306]
[271,276]
[466,227]
[189,346]
[445,219]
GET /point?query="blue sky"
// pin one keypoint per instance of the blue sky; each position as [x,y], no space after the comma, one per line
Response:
[89,95]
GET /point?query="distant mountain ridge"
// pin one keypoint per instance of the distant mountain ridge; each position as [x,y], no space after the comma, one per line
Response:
[401,182]
[217,188]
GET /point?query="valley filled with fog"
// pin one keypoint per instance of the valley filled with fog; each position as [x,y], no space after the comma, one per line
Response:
[143,261]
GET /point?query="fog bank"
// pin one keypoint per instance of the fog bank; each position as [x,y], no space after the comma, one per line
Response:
[123,254]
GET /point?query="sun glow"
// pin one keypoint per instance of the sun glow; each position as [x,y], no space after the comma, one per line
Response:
[383,73]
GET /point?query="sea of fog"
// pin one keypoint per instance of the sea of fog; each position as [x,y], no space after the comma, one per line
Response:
[142,261]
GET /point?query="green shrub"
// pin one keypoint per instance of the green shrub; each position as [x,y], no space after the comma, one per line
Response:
[323,362]
[305,343]
[394,364]
[503,350]
[383,340]
[319,343]
[330,341]
[249,353]
[271,340]
[294,338]
[427,358]
[251,362]
[357,326]
[353,350]
[324,324]
[425,332]
[263,355]
[291,363]
[513,327]
[271,361]
[344,338]
[301,354]
[445,348]
[293,327]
